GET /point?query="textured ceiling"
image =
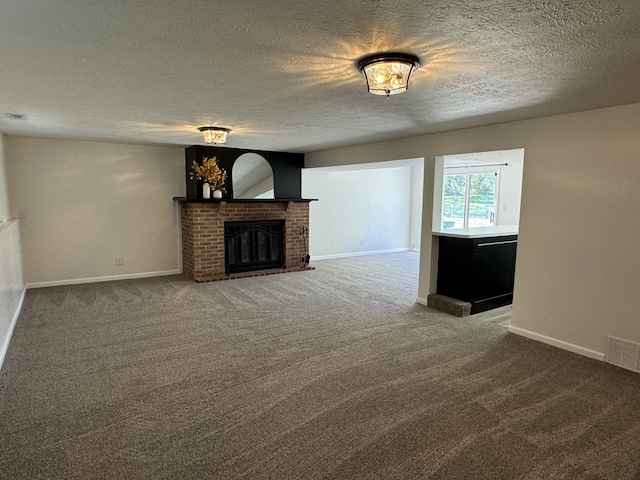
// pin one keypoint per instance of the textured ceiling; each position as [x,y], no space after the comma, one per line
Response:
[282,75]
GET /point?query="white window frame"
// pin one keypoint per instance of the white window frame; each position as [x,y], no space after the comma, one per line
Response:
[467,171]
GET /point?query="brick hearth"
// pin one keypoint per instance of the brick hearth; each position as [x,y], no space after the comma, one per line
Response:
[203,234]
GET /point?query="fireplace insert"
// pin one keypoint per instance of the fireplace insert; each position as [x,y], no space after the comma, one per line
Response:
[253,245]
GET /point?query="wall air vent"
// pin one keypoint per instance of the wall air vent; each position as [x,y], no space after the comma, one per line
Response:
[624,353]
[15,116]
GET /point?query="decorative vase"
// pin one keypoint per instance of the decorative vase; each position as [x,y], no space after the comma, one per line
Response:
[217,194]
[206,190]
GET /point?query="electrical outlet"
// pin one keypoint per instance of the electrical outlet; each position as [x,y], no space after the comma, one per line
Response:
[504,206]
[119,260]
[362,241]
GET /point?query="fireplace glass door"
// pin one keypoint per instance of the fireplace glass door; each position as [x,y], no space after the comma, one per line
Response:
[253,245]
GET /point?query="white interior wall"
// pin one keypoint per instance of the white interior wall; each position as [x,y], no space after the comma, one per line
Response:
[11,284]
[510,192]
[370,205]
[415,225]
[85,203]
[578,264]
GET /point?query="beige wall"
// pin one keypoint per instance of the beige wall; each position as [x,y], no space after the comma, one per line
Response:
[85,203]
[578,266]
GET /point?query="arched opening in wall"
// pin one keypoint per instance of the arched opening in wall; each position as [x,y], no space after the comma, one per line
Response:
[365,209]
[476,216]
[252,177]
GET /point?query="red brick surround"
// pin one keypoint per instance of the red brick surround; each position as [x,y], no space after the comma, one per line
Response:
[203,234]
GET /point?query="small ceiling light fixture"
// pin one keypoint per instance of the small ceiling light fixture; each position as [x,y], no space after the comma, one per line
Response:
[215,134]
[388,73]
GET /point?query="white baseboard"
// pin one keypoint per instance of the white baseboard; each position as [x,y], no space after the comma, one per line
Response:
[357,254]
[558,343]
[77,281]
[422,301]
[7,340]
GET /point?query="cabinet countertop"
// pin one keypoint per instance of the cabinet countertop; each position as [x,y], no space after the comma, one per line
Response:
[478,232]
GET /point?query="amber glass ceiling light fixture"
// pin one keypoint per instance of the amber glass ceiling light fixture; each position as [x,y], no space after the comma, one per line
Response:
[388,73]
[215,134]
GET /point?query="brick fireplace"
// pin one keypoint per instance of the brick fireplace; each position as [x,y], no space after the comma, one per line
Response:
[203,234]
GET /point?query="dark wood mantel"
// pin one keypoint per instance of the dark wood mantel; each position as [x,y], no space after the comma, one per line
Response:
[243,200]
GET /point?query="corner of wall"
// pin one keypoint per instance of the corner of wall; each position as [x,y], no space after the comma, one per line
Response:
[12,288]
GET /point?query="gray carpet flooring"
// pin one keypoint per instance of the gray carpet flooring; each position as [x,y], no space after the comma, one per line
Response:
[334,373]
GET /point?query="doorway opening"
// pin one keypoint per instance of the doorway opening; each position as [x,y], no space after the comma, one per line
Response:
[365,209]
[478,190]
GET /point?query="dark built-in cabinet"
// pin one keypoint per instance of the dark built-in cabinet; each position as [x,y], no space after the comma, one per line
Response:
[478,270]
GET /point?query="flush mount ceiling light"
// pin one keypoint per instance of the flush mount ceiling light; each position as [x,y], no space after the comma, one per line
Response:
[215,134]
[388,73]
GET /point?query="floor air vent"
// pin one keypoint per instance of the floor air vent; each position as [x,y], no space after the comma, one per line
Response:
[624,354]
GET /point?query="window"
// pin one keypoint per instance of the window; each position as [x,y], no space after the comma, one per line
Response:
[469,199]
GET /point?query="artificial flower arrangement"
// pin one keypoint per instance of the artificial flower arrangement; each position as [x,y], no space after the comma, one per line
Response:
[210,172]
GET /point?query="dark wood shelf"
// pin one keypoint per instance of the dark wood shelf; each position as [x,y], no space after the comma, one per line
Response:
[243,200]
